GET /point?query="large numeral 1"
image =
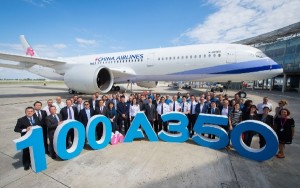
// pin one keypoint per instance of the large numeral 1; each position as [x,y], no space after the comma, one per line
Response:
[267,152]
[211,129]
[34,140]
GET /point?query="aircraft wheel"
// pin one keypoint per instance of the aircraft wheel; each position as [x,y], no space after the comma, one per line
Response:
[242,94]
[113,88]
[71,91]
[117,88]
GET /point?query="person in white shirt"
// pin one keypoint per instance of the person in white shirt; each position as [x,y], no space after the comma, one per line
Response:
[185,107]
[59,104]
[161,109]
[134,109]
[174,106]
[261,106]
[49,104]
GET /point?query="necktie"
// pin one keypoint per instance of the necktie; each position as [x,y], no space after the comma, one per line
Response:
[101,109]
[213,111]
[162,108]
[174,106]
[30,120]
[39,115]
[182,107]
[70,114]
[55,119]
[191,107]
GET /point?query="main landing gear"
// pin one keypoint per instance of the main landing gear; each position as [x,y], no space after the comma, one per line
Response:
[71,91]
[115,88]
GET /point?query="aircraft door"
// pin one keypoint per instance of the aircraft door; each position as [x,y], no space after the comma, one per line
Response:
[150,65]
[231,55]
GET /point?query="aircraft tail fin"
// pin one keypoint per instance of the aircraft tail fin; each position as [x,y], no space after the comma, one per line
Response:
[28,49]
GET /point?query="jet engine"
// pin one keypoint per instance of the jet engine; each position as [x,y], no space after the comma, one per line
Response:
[147,84]
[89,79]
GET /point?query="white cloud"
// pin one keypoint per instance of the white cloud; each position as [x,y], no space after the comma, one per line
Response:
[60,46]
[85,42]
[39,3]
[240,19]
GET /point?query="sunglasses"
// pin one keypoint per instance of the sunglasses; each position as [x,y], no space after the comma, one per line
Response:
[86,104]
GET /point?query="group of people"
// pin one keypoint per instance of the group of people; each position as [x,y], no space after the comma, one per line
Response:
[121,111]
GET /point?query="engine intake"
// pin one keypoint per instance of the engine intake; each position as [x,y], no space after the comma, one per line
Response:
[89,79]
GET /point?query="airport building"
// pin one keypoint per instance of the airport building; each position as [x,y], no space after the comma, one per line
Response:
[283,46]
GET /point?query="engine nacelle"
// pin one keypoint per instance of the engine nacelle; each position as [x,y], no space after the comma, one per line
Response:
[147,84]
[89,79]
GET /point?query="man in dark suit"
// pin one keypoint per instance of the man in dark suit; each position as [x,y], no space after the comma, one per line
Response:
[100,110]
[52,121]
[123,114]
[23,126]
[213,110]
[114,100]
[79,104]
[94,102]
[69,112]
[150,112]
[201,107]
[192,115]
[41,115]
[225,109]
[85,114]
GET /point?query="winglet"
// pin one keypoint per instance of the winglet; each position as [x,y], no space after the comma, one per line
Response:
[28,49]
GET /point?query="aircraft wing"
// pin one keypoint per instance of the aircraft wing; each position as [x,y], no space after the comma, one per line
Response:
[122,74]
[12,66]
[30,61]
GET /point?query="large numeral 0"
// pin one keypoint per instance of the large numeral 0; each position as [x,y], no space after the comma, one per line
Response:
[267,152]
[60,137]
[34,140]
[211,129]
[91,129]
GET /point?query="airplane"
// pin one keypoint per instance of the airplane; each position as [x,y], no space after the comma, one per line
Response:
[101,72]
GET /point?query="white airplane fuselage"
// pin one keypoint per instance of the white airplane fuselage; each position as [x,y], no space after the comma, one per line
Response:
[207,62]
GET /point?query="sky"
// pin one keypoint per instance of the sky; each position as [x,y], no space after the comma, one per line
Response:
[64,28]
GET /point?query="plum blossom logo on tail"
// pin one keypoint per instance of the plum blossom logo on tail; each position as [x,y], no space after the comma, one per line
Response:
[30,51]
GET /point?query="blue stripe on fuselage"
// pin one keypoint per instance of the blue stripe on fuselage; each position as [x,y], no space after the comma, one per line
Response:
[235,68]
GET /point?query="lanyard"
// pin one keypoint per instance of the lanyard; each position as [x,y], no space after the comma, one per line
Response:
[282,124]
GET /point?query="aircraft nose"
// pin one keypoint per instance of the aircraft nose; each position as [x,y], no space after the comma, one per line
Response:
[275,67]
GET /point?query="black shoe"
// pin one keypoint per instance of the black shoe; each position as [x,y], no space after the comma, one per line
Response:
[53,157]
[47,152]
[26,168]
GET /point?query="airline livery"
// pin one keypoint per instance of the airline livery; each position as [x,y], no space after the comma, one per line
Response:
[101,72]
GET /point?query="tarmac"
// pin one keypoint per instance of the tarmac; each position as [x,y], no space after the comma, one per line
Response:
[142,163]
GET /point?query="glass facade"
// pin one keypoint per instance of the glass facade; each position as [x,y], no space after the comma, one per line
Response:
[284,52]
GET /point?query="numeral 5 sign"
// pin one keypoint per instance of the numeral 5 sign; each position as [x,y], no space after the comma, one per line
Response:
[205,124]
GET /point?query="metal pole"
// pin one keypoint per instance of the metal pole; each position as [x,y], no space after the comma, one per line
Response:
[284,83]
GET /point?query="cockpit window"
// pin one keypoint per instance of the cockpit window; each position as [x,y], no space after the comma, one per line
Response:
[260,54]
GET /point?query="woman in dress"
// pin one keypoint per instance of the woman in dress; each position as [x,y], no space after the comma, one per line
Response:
[267,119]
[285,129]
[251,114]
